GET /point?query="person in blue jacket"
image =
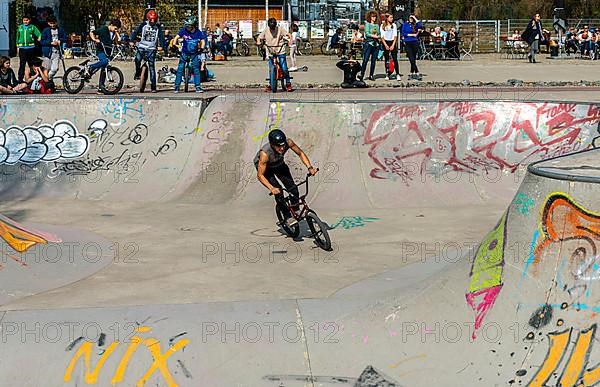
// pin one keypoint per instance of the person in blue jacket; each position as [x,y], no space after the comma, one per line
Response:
[53,38]
[193,44]
[410,33]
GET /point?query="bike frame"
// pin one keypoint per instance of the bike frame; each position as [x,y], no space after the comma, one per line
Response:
[274,59]
[301,200]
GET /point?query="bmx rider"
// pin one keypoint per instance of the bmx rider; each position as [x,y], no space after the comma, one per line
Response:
[270,165]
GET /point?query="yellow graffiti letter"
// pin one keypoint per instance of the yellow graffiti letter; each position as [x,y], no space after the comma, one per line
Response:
[558,345]
[86,351]
[578,358]
[136,341]
[160,361]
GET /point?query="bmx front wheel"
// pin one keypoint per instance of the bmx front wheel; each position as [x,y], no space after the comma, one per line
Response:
[293,231]
[319,231]
[73,80]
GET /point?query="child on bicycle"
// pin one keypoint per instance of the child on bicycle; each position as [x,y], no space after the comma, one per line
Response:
[193,43]
[105,37]
[273,37]
[270,166]
[152,34]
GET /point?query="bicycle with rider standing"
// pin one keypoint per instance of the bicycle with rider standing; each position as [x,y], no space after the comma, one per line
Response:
[194,41]
[151,35]
[274,39]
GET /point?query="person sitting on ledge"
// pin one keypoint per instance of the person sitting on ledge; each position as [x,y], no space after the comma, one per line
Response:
[351,67]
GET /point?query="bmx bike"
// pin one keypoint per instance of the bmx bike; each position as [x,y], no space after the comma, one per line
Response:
[144,74]
[318,229]
[111,78]
[276,73]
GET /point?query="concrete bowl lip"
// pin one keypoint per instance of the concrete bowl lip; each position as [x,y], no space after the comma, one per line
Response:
[538,170]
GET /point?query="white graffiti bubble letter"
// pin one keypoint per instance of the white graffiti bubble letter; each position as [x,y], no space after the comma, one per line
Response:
[33,144]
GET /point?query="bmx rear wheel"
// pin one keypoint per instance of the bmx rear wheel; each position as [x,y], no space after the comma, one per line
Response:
[293,231]
[319,231]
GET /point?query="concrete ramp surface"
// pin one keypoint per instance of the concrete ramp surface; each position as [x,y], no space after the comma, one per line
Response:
[139,249]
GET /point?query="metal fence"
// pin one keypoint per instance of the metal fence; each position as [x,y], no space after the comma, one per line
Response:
[487,34]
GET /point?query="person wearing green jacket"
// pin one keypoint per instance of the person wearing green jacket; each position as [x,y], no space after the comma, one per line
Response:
[27,35]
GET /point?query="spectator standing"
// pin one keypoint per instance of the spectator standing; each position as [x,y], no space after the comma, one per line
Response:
[410,33]
[293,47]
[194,41]
[389,38]
[533,35]
[53,37]
[226,39]
[27,36]
[371,45]
[151,36]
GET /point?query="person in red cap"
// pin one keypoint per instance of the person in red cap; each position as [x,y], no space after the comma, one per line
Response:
[151,33]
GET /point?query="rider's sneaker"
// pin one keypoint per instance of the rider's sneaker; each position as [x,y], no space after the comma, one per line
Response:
[291,222]
[387,77]
[289,88]
[153,91]
[176,91]
[199,90]
[293,68]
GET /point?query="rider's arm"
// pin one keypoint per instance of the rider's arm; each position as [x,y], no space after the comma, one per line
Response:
[301,154]
[137,31]
[262,167]
[94,37]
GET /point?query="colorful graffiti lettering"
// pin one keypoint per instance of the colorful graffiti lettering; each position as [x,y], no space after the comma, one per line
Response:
[562,220]
[472,137]
[33,144]
[152,345]
[20,238]
[523,203]
[575,372]
[486,273]
[348,222]
[272,121]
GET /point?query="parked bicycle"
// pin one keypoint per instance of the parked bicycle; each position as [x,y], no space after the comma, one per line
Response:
[317,227]
[111,78]
[240,46]
[303,47]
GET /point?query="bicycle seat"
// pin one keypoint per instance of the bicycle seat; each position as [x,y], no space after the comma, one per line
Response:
[84,62]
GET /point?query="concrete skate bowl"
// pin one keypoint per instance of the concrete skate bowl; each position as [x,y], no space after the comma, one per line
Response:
[169,174]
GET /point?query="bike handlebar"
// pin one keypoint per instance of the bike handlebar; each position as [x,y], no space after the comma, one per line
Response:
[296,185]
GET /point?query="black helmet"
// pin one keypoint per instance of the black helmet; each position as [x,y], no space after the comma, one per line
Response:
[277,137]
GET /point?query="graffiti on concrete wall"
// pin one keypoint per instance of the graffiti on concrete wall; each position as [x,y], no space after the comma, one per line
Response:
[88,349]
[562,220]
[577,370]
[569,233]
[21,238]
[474,137]
[121,150]
[486,273]
[43,143]
[348,222]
